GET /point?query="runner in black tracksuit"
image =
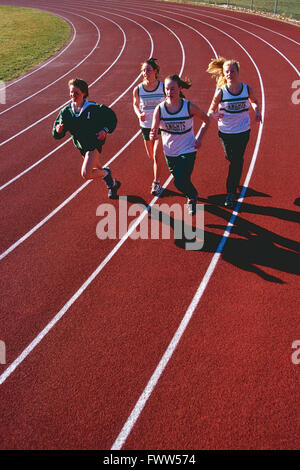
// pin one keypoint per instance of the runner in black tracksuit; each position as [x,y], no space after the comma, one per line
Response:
[88,124]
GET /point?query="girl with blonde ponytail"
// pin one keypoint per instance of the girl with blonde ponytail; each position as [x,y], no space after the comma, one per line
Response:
[216,69]
[230,107]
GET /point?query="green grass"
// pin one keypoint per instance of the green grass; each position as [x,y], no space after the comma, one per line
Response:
[286,8]
[28,37]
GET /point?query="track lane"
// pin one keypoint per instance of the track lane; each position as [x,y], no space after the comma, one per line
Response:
[142,188]
[64,157]
[156,340]
[79,220]
[245,424]
[259,21]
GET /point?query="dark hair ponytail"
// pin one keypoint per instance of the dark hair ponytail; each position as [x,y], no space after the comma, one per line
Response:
[181,83]
[153,63]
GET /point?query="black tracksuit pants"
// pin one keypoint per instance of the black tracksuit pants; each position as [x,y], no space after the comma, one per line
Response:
[234,147]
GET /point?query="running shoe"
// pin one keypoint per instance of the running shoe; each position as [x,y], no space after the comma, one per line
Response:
[108,179]
[112,191]
[229,201]
[192,204]
[155,188]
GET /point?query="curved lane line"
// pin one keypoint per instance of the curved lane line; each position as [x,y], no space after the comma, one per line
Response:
[193,10]
[242,29]
[148,390]
[57,109]
[64,203]
[10,369]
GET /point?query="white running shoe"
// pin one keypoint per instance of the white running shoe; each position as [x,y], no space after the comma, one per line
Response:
[192,204]
[155,188]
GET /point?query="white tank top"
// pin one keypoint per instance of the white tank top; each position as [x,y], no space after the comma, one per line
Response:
[236,111]
[149,100]
[177,130]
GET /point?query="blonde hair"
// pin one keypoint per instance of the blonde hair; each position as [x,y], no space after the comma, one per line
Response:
[216,69]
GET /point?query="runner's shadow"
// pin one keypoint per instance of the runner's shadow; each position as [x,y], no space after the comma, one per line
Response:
[220,198]
[132,199]
[250,246]
[169,193]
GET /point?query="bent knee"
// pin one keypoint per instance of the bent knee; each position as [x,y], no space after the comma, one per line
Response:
[179,185]
[85,173]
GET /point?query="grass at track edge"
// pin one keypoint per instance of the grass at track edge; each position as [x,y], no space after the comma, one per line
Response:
[27,38]
[223,7]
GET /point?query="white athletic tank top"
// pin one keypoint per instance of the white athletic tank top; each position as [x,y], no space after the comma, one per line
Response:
[236,111]
[149,100]
[177,130]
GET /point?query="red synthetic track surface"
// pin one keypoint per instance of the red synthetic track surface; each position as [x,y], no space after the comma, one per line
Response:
[230,382]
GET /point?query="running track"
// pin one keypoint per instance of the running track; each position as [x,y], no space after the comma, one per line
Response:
[142,344]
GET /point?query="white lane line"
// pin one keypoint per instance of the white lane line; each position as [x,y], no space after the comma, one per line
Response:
[148,390]
[93,83]
[62,205]
[228,16]
[15,178]
[10,369]
[177,21]
[261,39]
[260,26]
[238,27]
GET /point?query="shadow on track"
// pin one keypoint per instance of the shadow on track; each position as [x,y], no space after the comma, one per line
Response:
[251,246]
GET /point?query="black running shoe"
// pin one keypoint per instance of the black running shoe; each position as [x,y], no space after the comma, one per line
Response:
[192,206]
[229,201]
[112,192]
